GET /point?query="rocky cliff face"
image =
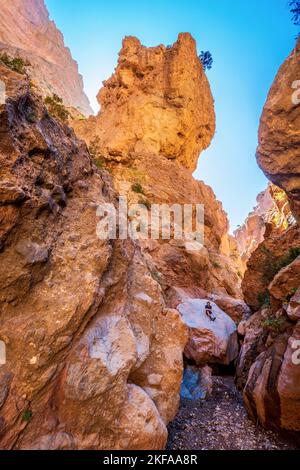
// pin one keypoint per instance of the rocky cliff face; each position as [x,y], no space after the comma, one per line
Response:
[27,32]
[268,367]
[156,116]
[279,133]
[94,357]
[271,213]
[158,102]
[93,328]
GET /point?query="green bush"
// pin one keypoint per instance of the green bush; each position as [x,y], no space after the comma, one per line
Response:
[137,188]
[27,415]
[56,108]
[273,324]
[16,64]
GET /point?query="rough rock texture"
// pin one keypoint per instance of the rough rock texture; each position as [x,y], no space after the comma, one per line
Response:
[94,358]
[27,32]
[209,341]
[197,383]
[156,116]
[271,393]
[158,101]
[236,309]
[274,253]
[286,282]
[272,212]
[267,372]
[293,310]
[278,153]
[268,366]
[221,423]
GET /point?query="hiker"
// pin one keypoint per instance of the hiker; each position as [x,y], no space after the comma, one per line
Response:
[209,311]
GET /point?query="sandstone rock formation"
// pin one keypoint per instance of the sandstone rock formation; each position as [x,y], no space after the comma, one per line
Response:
[275,252]
[268,366]
[272,390]
[279,133]
[197,383]
[94,357]
[272,212]
[27,32]
[156,116]
[209,341]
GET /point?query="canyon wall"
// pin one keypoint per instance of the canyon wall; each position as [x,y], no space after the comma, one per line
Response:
[271,213]
[93,329]
[157,115]
[279,133]
[27,32]
[268,370]
[93,355]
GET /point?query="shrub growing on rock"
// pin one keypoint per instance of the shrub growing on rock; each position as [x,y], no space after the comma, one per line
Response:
[56,108]
[15,64]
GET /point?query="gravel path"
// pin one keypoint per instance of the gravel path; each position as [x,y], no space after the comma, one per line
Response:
[220,423]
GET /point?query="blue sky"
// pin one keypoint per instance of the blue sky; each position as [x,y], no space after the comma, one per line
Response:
[248,40]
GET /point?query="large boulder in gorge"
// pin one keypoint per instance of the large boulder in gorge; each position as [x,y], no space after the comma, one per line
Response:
[93,356]
[268,366]
[157,115]
[209,341]
[196,383]
[278,152]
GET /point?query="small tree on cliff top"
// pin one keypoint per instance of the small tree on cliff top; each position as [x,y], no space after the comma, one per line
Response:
[295,10]
[206,60]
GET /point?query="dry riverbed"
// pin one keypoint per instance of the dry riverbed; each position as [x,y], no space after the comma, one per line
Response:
[221,423]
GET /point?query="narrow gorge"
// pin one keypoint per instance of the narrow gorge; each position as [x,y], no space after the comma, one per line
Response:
[140,342]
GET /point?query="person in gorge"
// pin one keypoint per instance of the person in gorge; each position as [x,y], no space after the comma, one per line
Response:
[209,311]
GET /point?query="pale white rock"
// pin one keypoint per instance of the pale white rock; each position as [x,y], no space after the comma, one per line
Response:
[209,341]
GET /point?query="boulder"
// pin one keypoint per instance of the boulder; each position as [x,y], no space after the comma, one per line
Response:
[286,282]
[209,341]
[143,113]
